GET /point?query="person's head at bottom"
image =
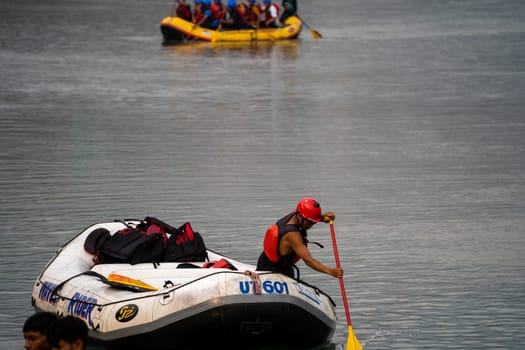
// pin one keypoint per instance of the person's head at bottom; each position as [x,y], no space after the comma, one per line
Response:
[68,333]
[35,329]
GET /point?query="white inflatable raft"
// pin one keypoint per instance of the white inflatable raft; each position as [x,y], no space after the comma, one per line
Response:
[172,305]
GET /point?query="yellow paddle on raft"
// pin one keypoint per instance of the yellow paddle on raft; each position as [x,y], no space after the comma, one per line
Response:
[315,34]
[352,342]
[136,285]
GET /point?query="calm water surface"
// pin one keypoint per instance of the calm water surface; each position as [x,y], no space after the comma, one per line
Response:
[406,120]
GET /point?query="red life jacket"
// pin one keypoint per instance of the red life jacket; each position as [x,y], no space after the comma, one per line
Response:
[216,11]
[197,15]
[184,12]
[267,11]
[275,233]
[243,12]
[252,13]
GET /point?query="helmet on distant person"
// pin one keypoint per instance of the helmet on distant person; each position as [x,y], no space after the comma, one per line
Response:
[232,3]
[309,209]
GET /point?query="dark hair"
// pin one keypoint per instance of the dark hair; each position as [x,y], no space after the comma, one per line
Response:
[39,322]
[69,329]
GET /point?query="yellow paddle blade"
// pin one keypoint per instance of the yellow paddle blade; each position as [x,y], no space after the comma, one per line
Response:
[130,282]
[352,343]
[315,34]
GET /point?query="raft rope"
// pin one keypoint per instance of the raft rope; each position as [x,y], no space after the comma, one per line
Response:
[256,280]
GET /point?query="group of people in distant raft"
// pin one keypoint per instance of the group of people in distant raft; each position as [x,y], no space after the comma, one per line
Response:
[248,14]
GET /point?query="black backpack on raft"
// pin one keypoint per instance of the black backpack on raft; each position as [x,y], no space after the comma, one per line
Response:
[185,245]
[147,242]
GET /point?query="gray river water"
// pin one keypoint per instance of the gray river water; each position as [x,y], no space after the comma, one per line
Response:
[406,119]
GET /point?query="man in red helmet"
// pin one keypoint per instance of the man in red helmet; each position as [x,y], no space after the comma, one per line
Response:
[285,242]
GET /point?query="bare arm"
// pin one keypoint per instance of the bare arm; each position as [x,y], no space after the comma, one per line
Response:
[295,241]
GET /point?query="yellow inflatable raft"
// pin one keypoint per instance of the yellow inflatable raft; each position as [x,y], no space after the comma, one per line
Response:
[176,28]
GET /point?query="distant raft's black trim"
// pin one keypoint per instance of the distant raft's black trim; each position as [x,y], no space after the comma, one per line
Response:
[171,34]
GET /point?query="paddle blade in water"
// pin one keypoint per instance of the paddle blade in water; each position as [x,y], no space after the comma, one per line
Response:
[315,34]
[353,342]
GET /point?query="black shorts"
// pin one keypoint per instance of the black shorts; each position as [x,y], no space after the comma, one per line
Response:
[282,266]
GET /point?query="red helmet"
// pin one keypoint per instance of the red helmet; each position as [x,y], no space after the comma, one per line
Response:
[309,209]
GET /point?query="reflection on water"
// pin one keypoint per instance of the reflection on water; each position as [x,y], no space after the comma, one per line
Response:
[285,49]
